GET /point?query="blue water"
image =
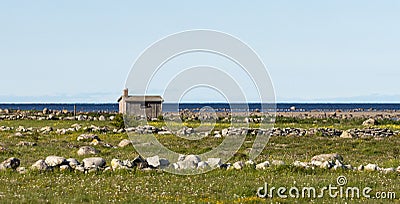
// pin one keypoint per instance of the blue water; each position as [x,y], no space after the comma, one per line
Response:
[113,107]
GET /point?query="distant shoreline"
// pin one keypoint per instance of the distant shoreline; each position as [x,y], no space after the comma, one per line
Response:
[219,107]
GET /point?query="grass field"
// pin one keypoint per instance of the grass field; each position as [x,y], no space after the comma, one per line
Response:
[217,186]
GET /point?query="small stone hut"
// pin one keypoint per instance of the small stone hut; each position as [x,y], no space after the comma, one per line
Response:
[140,105]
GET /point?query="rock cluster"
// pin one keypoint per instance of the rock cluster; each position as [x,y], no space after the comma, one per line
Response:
[371,132]
[148,129]
[335,161]
[331,161]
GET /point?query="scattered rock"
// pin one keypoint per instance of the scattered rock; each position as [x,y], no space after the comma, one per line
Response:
[73,163]
[124,143]
[238,165]
[371,167]
[138,160]
[360,168]
[164,162]
[65,168]
[116,164]
[250,163]
[203,165]
[214,162]
[263,165]
[53,161]
[79,169]
[40,165]
[388,170]
[153,161]
[86,150]
[301,164]
[319,160]
[45,111]
[87,137]
[21,170]
[94,142]
[192,158]
[10,163]
[18,134]
[369,122]
[346,134]
[93,162]
[46,130]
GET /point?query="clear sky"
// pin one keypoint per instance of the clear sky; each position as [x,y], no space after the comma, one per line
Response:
[82,51]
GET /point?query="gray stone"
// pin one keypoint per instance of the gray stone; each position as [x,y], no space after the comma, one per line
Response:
[124,143]
[65,168]
[87,137]
[10,163]
[40,165]
[116,164]
[72,162]
[21,170]
[18,134]
[46,129]
[79,169]
[250,163]
[186,164]
[154,161]
[346,134]
[102,118]
[238,165]
[360,168]
[326,165]
[203,165]
[50,117]
[224,132]
[86,150]
[164,133]
[388,170]
[93,162]
[214,162]
[263,165]
[217,136]
[192,158]
[94,142]
[80,118]
[107,169]
[181,157]
[164,162]
[369,122]
[53,161]
[371,167]
[128,163]
[175,166]
[301,164]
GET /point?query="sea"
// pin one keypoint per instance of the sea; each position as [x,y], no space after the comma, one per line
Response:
[170,107]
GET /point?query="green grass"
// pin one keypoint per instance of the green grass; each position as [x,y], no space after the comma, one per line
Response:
[217,186]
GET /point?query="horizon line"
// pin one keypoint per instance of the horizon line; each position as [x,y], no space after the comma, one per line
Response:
[211,102]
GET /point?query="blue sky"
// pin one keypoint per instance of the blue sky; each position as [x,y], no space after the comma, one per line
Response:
[82,51]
